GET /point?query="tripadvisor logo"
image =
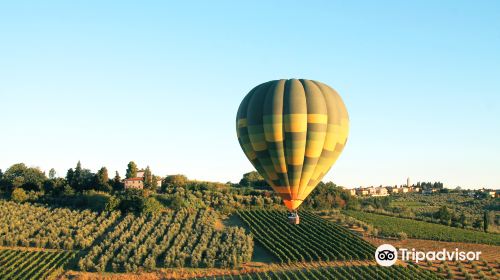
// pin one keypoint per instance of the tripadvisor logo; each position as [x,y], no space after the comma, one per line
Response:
[387,255]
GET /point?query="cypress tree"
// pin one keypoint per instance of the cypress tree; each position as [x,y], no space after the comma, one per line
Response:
[148,178]
[77,177]
[117,182]
[486,221]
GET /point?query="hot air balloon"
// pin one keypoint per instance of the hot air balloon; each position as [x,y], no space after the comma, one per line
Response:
[292,131]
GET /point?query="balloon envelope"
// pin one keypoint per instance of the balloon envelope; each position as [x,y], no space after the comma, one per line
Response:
[292,131]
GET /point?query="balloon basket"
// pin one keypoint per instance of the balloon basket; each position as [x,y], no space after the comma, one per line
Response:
[294,219]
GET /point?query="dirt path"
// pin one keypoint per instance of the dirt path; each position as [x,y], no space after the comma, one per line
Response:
[193,272]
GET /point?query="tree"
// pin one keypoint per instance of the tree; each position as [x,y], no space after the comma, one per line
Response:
[486,221]
[101,180]
[29,178]
[18,195]
[177,202]
[254,180]
[478,224]
[463,220]
[131,170]
[17,182]
[155,182]
[328,195]
[69,176]
[133,200]
[81,179]
[78,170]
[148,178]
[2,183]
[77,175]
[52,173]
[68,191]
[151,205]
[353,204]
[112,204]
[178,180]
[444,215]
[54,186]
[117,182]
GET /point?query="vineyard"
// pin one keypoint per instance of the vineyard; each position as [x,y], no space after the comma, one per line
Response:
[338,272]
[391,226]
[314,239]
[112,242]
[59,228]
[23,264]
[171,239]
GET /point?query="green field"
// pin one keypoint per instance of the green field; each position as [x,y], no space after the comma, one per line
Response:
[343,272]
[409,204]
[23,264]
[314,239]
[391,226]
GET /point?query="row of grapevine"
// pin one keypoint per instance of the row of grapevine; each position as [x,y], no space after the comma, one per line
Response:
[169,239]
[30,225]
[23,264]
[340,272]
[314,239]
[391,226]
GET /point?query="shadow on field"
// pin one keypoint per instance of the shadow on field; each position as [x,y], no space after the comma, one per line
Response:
[260,254]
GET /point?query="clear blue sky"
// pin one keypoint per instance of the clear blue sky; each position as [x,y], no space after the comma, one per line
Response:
[106,82]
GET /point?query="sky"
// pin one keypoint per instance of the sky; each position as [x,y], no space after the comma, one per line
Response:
[159,83]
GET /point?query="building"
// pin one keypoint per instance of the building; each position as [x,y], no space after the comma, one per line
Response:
[134,183]
[394,190]
[380,191]
[138,182]
[350,191]
[361,192]
[401,189]
[371,191]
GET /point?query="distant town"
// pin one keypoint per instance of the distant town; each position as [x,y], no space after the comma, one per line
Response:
[423,188]
[137,182]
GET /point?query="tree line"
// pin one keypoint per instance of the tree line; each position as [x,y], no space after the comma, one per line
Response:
[82,188]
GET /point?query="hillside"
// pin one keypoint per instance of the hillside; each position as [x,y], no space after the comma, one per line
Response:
[391,226]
